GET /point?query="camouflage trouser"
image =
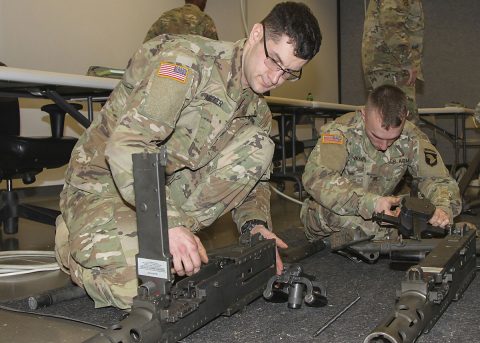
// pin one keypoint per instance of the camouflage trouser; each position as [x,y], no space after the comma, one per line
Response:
[319,222]
[374,79]
[96,240]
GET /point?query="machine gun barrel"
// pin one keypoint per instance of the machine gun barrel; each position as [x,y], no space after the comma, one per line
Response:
[429,288]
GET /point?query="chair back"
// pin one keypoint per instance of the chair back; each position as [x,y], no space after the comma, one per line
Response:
[9,116]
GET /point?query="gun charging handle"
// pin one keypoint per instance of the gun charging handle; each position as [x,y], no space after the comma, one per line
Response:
[295,287]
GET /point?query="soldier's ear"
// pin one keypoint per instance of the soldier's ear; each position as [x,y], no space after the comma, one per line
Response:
[256,34]
[362,111]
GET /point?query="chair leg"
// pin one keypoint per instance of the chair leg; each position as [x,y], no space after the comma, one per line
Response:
[9,212]
[38,214]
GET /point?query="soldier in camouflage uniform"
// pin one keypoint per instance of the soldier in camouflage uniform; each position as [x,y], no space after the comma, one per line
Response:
[202,100]
[359,160]
[186,20]
[392,47]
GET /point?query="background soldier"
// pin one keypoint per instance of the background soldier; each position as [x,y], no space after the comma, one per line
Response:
[392,47]
[358,162]
[201,99]
[186,20]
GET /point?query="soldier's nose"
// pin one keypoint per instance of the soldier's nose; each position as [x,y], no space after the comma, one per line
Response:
[274,76]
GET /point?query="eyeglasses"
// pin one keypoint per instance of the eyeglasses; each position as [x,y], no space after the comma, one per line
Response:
[290,75]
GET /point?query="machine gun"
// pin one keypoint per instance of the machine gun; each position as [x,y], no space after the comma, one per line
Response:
[416,236]
[429,288]
[167,311]
[446,269]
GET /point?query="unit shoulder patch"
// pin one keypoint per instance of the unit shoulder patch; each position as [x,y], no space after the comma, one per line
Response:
[430,157]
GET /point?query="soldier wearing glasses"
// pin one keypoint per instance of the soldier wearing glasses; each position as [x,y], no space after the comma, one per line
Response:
[202,100]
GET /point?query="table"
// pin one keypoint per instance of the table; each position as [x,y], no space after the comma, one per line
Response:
[458,136]
[58,87]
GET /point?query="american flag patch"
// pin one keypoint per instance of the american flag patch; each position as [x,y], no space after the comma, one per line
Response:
[173,71]
[330,138]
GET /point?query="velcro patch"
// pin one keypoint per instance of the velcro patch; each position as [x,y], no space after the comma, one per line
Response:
[430,157]
[173,71]
[331,138]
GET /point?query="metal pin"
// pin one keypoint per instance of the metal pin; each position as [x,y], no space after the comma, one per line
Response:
[335,317]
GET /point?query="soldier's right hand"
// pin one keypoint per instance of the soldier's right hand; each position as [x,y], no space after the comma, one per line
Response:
[386,205]
[187,251]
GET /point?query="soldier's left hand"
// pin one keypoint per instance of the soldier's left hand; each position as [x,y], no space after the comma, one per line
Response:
[280,244]
[440,218]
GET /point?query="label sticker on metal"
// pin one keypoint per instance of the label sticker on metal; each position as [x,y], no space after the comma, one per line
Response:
[153,268]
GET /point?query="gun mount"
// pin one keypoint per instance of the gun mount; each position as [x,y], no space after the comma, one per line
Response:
[294,286]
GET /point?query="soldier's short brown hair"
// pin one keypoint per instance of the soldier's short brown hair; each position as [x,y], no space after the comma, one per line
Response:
[296,21]
[391,103]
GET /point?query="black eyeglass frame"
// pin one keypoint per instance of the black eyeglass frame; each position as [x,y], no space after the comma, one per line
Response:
[287,74]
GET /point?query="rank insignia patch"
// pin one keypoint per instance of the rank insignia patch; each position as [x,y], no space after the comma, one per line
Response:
[331,138]
[430,157]
[173,71]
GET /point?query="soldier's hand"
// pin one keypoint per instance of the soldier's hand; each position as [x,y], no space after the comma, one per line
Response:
[280,244]
[385,205]
[187,251]
[440,218]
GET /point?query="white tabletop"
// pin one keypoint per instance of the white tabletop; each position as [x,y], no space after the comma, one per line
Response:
[41,77]
[273,100]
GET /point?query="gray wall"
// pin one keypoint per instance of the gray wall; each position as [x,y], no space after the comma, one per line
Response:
[451,59]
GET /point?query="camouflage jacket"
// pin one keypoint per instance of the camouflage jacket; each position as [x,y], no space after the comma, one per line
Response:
[346,174]
[393,36]
[186,94]
[185,20]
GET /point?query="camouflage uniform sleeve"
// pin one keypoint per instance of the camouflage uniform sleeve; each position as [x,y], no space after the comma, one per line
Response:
[257,204]
[415,26]
[324,182]
[435,183]
[393,16]
[153,109]
[210,29]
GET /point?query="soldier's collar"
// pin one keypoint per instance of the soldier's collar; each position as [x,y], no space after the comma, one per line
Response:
[234,81]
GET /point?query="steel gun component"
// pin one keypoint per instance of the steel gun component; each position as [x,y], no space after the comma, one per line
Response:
[412,224]
[429,288]
[55,296]
[335,317]
[295,287]
[167,311]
